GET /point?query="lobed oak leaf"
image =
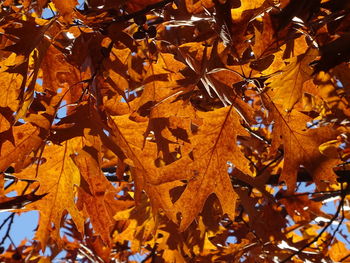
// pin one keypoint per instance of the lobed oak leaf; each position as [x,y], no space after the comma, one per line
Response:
[214,146]
[301,208]
[96,194]
[61,77]
[287,88]
[301,147]
[332,95]
[266,220]
[26,35]
[12,88]
[154,177]
[141,225]
[66,8]
[58,177]
[205,175]
[17,143]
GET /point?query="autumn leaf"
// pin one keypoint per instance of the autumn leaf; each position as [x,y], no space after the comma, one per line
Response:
[216,139]
[17,143]
[245,7]
[338,251]
[66,8]
[141,226]
[58,177]
[301,147]
[286,88]
[12,82]
[165,129]
[96,194]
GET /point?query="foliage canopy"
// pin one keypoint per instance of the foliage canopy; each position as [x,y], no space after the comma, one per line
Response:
[183,131]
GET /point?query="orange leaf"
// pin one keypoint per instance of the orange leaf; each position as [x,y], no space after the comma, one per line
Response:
[301,147]
[58,176]
[17,143]
[215,146]
[66,8]
[97,195]
[287,88]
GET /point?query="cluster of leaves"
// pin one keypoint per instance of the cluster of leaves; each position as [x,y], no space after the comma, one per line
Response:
[162,128]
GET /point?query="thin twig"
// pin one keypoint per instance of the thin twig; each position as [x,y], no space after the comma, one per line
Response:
[344,258]
[341,203]
[151,254]
[7,234]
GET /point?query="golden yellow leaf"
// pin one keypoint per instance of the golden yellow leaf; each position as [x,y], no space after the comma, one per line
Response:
[9,96]
[58,177]
[338,251]
[287,88]
[214,149]
[17,143]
